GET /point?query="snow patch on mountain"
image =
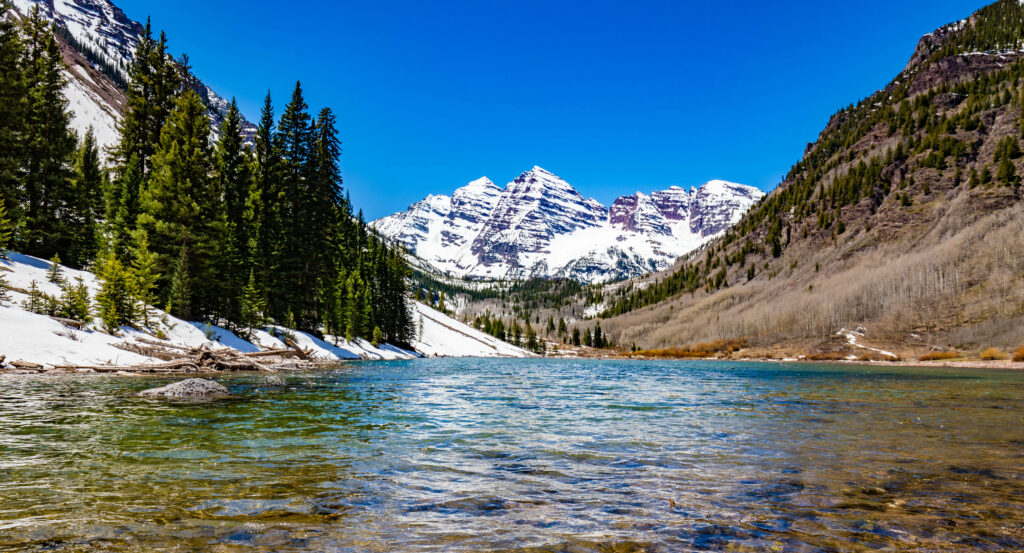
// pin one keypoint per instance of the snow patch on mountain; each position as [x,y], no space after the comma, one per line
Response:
[540,226]
[89,111]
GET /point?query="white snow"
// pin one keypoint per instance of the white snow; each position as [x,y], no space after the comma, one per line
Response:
[853,335]
[26,336]
[440,335]
[89,111]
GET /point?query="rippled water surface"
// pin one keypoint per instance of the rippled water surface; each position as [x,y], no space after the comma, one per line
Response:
[467,455]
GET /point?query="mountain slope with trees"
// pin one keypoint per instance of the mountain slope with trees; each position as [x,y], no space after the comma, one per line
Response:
[904,218]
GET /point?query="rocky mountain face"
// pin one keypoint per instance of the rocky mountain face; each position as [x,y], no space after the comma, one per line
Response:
[98,41]
[540,226]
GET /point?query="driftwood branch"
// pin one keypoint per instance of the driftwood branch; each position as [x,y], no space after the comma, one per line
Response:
[69,322]
[183,359]
[303,354]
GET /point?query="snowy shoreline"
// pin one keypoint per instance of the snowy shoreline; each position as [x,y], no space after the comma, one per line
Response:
[37,339]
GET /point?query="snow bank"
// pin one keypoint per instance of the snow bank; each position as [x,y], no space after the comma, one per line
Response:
[26,336]
[442,336]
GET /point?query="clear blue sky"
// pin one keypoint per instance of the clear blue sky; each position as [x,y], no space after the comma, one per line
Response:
[613,96]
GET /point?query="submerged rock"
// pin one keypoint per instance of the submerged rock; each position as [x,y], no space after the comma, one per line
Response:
[191,388]
[273,381]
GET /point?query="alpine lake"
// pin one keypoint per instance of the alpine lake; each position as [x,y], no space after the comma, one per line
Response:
[520,455]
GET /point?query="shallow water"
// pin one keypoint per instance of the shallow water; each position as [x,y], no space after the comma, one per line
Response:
[523,455]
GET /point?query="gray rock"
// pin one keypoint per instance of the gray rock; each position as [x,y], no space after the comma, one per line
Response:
[273,381]
[191,388]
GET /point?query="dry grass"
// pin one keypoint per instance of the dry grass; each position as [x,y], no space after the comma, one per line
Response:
[993,354]
[831,356]
[940,356]
[1018,355]
[942,280]
[698,351]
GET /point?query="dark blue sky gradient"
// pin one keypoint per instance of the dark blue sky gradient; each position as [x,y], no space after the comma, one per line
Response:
[613,96]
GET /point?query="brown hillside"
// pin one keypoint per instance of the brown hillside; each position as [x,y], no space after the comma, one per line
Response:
[904,218]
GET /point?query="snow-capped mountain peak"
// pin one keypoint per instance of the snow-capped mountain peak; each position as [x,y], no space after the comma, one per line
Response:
[540,225]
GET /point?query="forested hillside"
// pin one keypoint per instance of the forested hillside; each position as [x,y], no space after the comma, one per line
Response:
[903,217]
[213,230]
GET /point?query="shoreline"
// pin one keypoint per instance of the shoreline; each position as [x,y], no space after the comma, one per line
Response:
[157,371]
[965,363]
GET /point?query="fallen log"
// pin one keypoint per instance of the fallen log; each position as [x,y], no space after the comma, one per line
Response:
[161,344]
[303,354]
[272,353]
[20,364]
[149,351]
[69,322]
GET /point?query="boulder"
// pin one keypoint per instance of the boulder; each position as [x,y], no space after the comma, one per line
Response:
[191,388]
[273,381]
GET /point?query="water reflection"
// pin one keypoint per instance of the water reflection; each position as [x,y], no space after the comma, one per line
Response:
[521,456]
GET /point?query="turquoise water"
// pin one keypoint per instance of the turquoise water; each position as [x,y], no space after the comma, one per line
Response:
[521,455]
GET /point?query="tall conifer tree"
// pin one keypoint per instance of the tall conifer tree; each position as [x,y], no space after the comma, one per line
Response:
[13,100]
[234,182]
[154,85]
[49,145]
[182,211]
[88,185]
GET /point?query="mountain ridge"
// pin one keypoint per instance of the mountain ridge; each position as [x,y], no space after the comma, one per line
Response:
[539,225]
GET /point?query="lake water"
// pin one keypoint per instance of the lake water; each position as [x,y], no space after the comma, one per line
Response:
[521,455]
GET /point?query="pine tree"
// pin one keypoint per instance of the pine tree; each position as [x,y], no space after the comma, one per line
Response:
[153,88]
[1006,174]
[598,337]
[367,316]
[266,200]
[13,107]
[115,301]
[54,274]
[294,277]
[322,206]
[532,344]
[145,275]
[576,341]
[75,302]
[35,302]
[183,215]
[179,295]
[49,145]
[123,206]
[5,296]
[5,232]
[354,307]
[234,182]
[253,306]
[87,191]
